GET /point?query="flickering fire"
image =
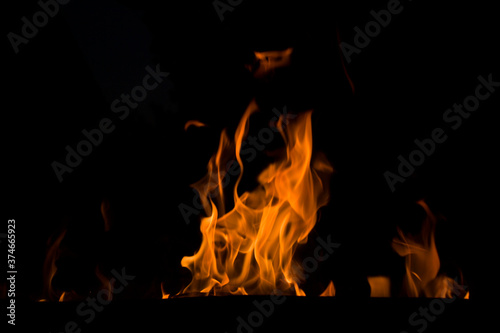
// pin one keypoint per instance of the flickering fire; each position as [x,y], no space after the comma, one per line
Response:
[56,251]
[164,295]
[380,286]
[249,239]
[329,291]
[105,284]
[267,61]
[422,264]
[195,123]
[50,269]
[249,249]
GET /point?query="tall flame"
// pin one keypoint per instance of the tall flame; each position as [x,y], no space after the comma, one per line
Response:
[249,250]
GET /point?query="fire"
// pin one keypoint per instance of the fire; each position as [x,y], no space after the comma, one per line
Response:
[422,261]
[105,283]
[380,286]
[422,264]
[57,249]
[249,249]
[50,270]
[267,61]
[195,123]
[164,295]
[329,291]
[106,214]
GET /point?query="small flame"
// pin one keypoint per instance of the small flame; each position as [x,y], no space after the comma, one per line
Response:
[55,251]
[163,293]
[105,283]
[195,123]
[106,214]
[266,62]
[380,286]
[249,250]
[422,261]
[329,291]
[50,270]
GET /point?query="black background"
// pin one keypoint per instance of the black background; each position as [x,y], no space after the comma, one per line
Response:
[65,78]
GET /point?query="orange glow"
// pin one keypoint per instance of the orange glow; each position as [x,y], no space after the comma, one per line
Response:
[266,62]
[50,270]
[105,212]
[249,249]
[105,284]
[164,295]
[329,291]
[380,286]
[195,123]
[422,261]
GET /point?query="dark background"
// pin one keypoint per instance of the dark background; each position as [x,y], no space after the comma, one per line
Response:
[65,78]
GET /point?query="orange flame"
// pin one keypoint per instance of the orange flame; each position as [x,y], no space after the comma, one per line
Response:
[54,253]
[106,214]
[164,295]
[249,250]
[422,261]
[329,291]
[50,270]
[266,62]
[380,286]
[195,123]
[105,283]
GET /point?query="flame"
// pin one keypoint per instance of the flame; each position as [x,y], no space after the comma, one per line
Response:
[195,123]
[329,291]
[266,62]
[50,270]
[55,251]
[106,214]
[164,295]
[105,283]
[380,286]
[422,261]
[339,42]
[249,250]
